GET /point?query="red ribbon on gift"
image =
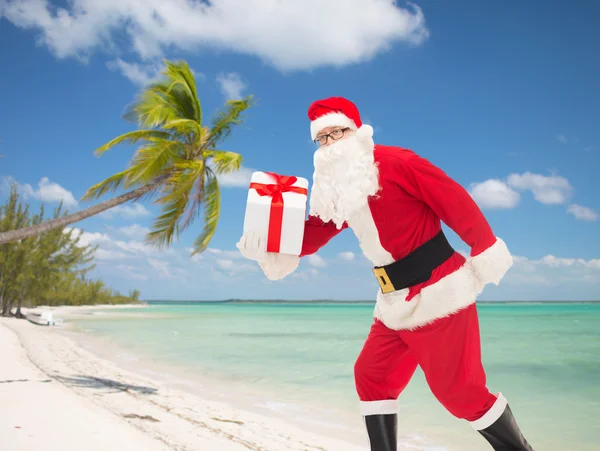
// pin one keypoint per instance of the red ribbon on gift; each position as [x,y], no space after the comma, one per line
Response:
[283,184]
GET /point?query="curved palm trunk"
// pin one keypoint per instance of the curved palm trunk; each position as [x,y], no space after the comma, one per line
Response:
[19,234]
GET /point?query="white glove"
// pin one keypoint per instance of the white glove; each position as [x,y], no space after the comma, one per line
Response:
[253,247]
[275,266]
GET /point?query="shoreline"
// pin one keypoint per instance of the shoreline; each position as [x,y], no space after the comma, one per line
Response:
[334,302]
[231,390]
[150,414]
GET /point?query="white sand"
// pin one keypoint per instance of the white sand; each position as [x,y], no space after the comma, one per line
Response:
[54,395]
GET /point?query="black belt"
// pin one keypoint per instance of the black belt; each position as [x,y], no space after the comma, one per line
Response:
[416,267]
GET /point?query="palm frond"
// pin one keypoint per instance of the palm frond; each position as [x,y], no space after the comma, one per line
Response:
[154,107]
[184,175]
[180,75]
[178,187]
[175,96]
[224,161]
[196,201]
[183,126]
[153,160]
[180,96]
[226,120]
[131,138]
[165,226]
[212,210]
[110,184]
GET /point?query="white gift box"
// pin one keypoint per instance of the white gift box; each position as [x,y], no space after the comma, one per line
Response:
[258,212]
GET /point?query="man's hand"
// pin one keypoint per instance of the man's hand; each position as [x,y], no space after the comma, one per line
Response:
[253,247]
[276,266]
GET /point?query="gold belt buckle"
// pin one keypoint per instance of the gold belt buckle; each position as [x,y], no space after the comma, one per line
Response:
[384,280]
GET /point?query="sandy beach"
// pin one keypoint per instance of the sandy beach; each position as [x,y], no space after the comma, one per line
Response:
[54,395]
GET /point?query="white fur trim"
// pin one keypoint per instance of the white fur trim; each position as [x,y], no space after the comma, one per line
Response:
[330,120]
[364,228]
[491,264]
[452,293]
[492,415]
[365,133]
[277,266]
[384,407]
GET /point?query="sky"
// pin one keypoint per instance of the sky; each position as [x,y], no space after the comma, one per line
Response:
[503,96]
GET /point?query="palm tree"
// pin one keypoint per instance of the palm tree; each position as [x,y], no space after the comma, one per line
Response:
[178,160]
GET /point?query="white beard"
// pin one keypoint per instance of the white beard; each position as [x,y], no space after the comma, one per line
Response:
[344,178]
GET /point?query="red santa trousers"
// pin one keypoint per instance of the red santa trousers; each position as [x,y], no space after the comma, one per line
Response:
[447,350]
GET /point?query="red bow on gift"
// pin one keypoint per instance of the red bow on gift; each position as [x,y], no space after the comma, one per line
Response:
[283,184]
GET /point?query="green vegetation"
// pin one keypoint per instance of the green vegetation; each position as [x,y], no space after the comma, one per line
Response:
[49,268]
[178,161]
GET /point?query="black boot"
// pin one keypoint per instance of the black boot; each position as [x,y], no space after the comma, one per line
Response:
[382,430]
[504,434]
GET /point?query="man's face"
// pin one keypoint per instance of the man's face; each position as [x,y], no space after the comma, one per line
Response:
[330,135]
[345,174]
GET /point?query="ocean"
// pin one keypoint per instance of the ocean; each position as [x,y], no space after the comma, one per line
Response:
[296,360]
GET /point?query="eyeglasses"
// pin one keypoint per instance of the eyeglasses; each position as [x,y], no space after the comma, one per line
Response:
[334,134]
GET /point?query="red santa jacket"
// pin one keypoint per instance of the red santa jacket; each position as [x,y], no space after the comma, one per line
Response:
[414,198]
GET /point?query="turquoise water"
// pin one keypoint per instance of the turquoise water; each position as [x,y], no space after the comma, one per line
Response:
[544,358]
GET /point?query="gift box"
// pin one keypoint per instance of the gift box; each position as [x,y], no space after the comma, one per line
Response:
[276,210]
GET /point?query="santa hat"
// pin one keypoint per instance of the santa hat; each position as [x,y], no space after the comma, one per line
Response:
[336,111]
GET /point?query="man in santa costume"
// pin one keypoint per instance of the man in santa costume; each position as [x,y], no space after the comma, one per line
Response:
[425,314]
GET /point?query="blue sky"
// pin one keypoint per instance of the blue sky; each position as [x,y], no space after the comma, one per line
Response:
[502,95]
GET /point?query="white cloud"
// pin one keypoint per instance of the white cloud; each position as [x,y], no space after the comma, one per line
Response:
[546,189]
[139,248]
[287,35]
[226,260]
[299,275]
[139,74]
[305,275]
[524,263]
[110,249]
[91,238]
[556,262]
[135,231]
[348,256]
[142,261]
[582,213]
[126,211]
[161,266]
[238,179]
[103,254]
[131,272]
[225,264]
[87,238]
[221,253]
[594,264]
[316,260]
[144,73]
[494,194]
[231,85]
[46,191]
[562,139]
[553,271]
